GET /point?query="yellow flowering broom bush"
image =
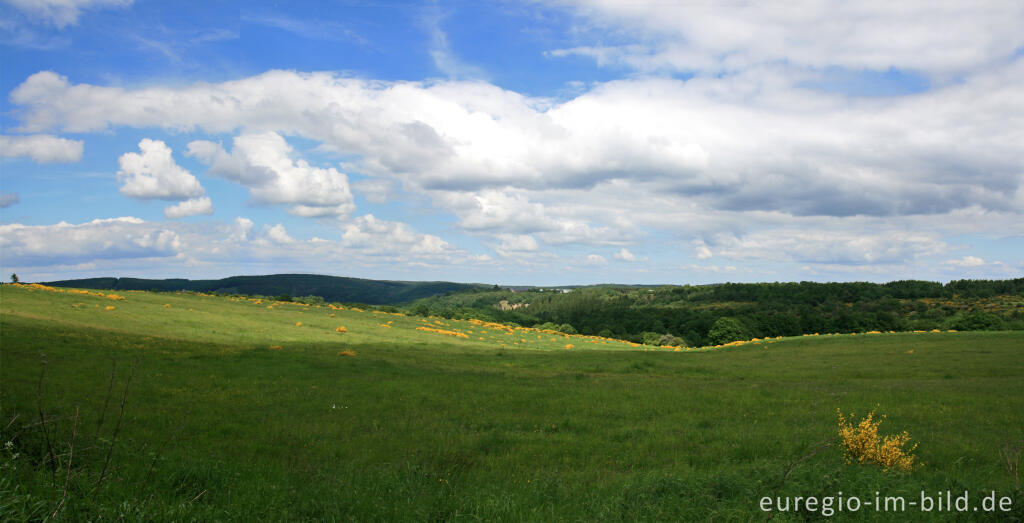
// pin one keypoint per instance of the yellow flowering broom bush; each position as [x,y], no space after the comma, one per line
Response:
[443,331]
[862,443]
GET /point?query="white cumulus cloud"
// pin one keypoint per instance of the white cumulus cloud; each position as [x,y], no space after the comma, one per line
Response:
[190,207]
[624,255]
[383,237]
[693,36]
[966,262]
[278,234]
[154,174]
[263,163]
[101,239]
[41,148]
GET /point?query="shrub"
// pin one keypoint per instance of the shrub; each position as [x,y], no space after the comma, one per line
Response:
[862,443]
[651,338]
[726,330]
[974,321]
[670,340]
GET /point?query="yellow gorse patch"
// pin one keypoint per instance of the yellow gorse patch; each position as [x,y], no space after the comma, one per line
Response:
[862,444]
[40,287]
[341,329]
[443,331]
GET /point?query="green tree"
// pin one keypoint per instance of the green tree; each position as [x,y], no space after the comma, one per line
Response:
[14,278]
[567,328]
[650,338]
[726,330]
[670,340]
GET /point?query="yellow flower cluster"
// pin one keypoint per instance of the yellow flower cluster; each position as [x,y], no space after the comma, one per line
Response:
[349,353]
[490,325]
[40,287]
[443,331]
[341,329]
[862,443]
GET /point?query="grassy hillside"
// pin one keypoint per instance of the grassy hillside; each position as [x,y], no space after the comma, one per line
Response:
[330,288]
[239,409]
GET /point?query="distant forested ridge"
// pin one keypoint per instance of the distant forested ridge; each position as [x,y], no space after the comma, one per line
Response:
[695,315]
[706,314]
[330,288]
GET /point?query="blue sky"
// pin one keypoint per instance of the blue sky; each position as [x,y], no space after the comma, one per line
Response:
[531,142]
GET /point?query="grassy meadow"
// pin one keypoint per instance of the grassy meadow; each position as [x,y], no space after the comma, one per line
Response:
[191,407]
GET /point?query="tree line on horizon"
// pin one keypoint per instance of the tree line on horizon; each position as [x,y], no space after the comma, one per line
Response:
[712,314]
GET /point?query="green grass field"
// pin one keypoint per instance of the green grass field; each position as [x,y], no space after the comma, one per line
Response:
[234,411]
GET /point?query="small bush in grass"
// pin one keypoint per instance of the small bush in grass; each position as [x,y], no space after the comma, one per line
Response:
[862,443]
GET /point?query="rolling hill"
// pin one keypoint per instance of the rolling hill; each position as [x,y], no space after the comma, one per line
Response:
[330,288]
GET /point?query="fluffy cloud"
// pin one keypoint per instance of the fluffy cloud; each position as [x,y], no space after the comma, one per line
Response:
[828,247]
[62,13]
[490,210]
[375,191]
[107,239]
[517,245]
[278,234]
[711,36]
[750,141]
[743,154]
[154,174]
[190,207]
[41,148]
[382,237]
[214,249]
[966,261]
[624,255]
[262,163]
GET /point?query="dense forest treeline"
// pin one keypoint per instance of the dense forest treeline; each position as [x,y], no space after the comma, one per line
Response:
[330,288]
[710,314]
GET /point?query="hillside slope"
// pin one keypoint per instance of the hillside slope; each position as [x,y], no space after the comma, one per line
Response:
[330,288]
